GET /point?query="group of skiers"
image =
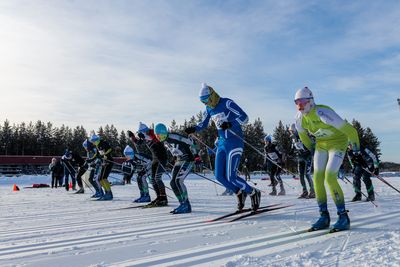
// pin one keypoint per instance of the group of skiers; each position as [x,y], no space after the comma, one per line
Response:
[320,138]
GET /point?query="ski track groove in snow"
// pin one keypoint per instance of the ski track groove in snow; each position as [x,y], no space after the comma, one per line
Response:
[95,232]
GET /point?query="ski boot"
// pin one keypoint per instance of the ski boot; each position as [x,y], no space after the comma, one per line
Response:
[107,196]
[144,198]
[255,197]
[357,197]
[80,191]
[304,194]
[312,194]
[98,194]
[241,198]
[282,192]
[371,196]
[273,192]
[322,223]
[139,198]
[185,207]
[342,223]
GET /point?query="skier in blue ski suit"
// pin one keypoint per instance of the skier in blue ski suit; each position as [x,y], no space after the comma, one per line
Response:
[228,118]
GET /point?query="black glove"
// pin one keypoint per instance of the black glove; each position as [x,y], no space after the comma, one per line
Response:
[357,159]
[376,171]
[225,125]
[190,130]
[371,168]
[141,136]
[130,134]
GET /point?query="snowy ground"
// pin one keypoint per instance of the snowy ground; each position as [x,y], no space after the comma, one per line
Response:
[52,227]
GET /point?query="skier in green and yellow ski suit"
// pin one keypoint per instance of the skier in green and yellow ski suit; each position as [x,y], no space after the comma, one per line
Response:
[332,135]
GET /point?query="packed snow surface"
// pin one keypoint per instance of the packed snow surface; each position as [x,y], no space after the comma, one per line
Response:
[52,227]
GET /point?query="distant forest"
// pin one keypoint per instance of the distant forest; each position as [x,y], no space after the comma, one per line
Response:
[43,138]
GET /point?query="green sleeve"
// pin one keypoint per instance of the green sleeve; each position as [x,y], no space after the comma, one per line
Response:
[306,140]
[351,134]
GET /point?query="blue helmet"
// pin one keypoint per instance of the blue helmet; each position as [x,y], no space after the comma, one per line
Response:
[68,154]
[95,139]
[268,138]
[161,131]
[143,128]
[129,152]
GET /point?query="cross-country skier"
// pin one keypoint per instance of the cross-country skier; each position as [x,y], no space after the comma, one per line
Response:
[304,159]
[128,166]
[228,118]
[105,151]
[70,159]
[332,135]
[140,163]
[93,163]
[158,164]
[368,160]
[181,148]
[273,158]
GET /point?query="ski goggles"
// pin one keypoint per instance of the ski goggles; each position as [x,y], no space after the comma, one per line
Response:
[205,98]
[302,101]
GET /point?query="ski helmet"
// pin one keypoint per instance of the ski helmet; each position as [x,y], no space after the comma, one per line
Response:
[68,154]
[304,100]
[143,128]
[161,131]
[129,152]
[95,139]
[268,138]
[208,96]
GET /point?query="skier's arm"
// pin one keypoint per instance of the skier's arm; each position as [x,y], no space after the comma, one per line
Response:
[330,117]
[204,123]
[236,113]
[374,159]
[305,139]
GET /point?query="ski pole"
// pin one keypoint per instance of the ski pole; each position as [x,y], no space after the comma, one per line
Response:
[344,177]
[209,159]
[380,178]
[74,171]
[210,162]
[262,154]
[121,171]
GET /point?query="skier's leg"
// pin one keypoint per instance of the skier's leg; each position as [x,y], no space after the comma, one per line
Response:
[220,170]
[302,169]
[357,183]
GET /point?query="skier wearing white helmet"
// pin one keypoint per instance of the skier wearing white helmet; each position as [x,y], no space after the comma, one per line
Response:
[332,135]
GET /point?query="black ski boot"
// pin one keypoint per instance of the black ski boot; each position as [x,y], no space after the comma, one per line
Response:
[273,192]
[80,191]
[357,197]
[255,199]
[282,192]
[371,196]
[241,197]
[304,194]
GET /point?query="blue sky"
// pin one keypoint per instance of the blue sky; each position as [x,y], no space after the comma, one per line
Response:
[93,63]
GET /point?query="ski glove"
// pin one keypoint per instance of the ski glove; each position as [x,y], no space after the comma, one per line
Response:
[225,125]
[130,134]
[357,159]
[141,136]
[376,171]
[190,130]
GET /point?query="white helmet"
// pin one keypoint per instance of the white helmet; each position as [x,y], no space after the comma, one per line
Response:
[304,99]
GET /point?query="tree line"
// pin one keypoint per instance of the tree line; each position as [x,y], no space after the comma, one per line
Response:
[43,138]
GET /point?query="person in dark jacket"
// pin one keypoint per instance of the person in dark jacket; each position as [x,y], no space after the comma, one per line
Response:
[361,162]
[57,172]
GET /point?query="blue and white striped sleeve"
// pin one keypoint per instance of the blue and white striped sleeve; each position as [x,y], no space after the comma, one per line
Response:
[204,123]
[239,115]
